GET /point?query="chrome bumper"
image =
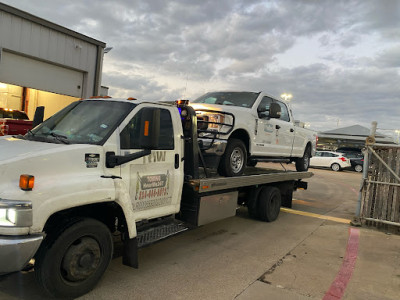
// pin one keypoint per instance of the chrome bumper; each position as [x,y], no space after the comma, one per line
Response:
[213,147]
[16,251]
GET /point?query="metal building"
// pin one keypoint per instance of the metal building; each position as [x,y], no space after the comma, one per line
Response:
[43,56]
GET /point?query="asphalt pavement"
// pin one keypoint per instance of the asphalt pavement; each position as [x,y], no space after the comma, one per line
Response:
[309,252]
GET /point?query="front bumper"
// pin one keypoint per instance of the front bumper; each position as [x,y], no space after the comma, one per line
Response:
[212,146]
[16,251]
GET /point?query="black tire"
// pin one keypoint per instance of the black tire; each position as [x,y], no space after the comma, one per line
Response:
[269,203]
[303,163]
[335,167]
[252,204]
[73,257]
[358,168]
[233,161]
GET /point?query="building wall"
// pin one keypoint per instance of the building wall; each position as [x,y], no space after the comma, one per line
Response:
[39,54]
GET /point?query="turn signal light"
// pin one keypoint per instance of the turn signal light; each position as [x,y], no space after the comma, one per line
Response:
[342,158]
[26,182]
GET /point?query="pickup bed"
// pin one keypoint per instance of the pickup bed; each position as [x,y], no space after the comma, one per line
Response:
[242,128]
[13,122]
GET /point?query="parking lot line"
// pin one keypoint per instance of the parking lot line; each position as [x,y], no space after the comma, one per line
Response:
[313,215]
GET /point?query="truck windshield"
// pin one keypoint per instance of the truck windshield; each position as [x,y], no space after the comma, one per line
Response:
[82,122]
[242,99]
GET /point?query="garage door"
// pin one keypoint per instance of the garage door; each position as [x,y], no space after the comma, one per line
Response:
[28,72]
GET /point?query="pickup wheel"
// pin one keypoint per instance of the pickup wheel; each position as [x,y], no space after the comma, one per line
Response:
[233,161]
[269,203]
[73,258]
[303,163]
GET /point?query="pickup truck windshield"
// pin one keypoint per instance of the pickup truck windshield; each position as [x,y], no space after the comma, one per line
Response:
[242,99]
[82,122]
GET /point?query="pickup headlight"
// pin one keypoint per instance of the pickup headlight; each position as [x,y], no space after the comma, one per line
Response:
[15,213]
[214,122]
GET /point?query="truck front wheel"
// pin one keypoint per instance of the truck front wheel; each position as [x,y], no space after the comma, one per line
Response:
[73,258]
[303,163]
[233,161]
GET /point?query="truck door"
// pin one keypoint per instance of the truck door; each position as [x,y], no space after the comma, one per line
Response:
[274,136]
[266,130]
[285,132]
[155,181]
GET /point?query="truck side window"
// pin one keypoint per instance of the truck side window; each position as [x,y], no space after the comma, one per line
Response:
[129,137]
[284,112]
[264,106]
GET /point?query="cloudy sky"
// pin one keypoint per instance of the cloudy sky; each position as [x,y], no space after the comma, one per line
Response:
[339,59]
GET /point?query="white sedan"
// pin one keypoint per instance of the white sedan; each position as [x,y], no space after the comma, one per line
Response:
[334,160]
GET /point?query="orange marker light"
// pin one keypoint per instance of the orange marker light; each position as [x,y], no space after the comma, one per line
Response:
[146,128]
[26,182]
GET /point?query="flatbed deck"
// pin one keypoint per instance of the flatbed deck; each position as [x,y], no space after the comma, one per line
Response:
[252,176]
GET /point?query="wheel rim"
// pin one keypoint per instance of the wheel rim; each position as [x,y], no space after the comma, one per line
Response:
[358,168]
[335,167]
[81,259]
[237,160]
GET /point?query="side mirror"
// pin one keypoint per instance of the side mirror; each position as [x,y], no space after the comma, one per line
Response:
[261,111]
[149,128]
[274,110]
[38,117]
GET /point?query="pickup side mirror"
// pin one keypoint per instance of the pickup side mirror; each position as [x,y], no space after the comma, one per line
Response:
[274,110]
[38,117]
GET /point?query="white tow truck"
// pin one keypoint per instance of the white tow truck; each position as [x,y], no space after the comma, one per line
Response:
[106,167]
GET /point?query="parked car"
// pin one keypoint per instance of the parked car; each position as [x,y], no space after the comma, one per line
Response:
[329,159]
[356,157]
[242,128]
[13,122]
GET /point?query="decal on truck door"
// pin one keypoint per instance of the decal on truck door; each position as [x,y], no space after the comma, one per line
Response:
[152,191]
[92,159]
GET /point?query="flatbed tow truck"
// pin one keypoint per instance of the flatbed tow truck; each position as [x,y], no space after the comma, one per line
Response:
[106,167]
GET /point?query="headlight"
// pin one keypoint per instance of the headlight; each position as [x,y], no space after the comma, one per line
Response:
[15,213]
[213,122]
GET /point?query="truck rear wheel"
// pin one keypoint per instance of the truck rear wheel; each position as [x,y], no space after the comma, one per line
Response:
[233,161]
[303,163]
[73,258]
[269,203]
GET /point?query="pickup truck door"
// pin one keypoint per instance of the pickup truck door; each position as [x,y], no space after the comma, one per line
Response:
[155,181]
[285,132]
[274,136]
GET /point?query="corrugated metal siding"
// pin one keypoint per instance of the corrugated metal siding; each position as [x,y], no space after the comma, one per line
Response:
[39,42]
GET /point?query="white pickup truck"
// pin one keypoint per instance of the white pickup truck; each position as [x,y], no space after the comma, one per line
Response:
[239,128]
[106,168]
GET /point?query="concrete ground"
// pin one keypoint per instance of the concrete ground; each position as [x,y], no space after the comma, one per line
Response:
[310,252]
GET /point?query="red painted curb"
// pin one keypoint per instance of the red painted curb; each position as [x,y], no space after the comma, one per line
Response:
[338,287]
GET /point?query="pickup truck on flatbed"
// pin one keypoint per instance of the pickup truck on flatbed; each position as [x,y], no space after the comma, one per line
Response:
[102,168]
[13,122]
[239,128]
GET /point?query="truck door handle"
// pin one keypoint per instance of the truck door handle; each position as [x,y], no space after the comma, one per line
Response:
[277,126]
[176,161]
[291,129]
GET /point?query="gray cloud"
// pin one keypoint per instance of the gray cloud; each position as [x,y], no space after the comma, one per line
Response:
[235,44]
